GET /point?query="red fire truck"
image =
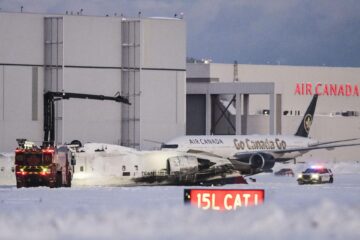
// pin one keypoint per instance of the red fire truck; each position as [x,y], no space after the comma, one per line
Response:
[49,166]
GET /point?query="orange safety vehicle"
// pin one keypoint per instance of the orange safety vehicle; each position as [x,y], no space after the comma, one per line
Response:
[36,166]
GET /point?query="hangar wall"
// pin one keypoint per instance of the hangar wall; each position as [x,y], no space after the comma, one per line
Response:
[156,77]
[286,79]
[85,54]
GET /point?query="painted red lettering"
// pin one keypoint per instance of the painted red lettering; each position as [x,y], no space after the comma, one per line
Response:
[341,90]
[333,89]
[326,90]
[348,90]
[297,90]
[317,88]
[356,90]
[303,88]
[308,89]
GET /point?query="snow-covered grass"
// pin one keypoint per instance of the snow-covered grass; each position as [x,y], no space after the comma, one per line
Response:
[290,211]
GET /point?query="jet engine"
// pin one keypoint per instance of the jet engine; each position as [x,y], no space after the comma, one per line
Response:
[197,170]
[258,161]
[181,165]
[261,161]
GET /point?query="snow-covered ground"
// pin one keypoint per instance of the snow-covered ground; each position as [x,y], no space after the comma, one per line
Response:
[290,211]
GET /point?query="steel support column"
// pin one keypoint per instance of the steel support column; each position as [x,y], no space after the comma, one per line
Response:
[272,113]
[246,114]
[238,114]
[278,114]
[208,114]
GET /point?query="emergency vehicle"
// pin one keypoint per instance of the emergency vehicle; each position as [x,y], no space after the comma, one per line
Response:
[37,166]
[316,174]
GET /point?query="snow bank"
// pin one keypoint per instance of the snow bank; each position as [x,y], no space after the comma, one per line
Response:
[324,220]
[290,211]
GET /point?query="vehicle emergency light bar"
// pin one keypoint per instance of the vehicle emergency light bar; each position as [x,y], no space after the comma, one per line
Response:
[48,150]
[316,167]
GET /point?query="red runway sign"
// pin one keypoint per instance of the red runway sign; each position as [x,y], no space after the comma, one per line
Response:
[224,199]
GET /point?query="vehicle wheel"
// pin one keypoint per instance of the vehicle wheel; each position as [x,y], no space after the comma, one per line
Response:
[331,180]
[68,180]
[19,185]
[320,180]
[58,179]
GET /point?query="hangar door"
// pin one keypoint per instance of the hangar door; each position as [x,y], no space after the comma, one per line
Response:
[195,114]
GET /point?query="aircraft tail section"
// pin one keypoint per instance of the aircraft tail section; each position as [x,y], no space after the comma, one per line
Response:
[304,128]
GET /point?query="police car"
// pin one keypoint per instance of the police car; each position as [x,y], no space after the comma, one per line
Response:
[316,174]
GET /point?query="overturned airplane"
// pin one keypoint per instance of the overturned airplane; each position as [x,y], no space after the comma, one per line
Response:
[111,165]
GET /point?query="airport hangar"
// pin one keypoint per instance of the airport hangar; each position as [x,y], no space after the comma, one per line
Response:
[144,59]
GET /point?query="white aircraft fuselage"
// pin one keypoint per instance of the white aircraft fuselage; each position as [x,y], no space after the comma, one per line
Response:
[228,146]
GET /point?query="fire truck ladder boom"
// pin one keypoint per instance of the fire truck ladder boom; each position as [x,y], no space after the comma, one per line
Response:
[49,109]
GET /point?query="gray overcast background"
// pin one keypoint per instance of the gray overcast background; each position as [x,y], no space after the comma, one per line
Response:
[287,32]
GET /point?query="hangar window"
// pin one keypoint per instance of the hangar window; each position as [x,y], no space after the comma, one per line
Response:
[291,112]
[136,167]
[81,168]
[123,168]
[266,112]
[2,169]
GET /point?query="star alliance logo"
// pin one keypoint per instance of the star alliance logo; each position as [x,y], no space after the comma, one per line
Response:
[307,122]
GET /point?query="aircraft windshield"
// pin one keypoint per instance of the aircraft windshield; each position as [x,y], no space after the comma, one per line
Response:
[169,146]
[32,159]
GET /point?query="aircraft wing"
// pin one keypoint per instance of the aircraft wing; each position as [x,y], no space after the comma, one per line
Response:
[194,151]
[336,141]
[313,147]
[252,161]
